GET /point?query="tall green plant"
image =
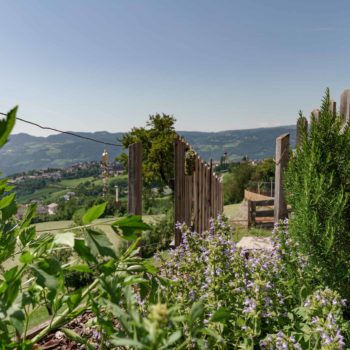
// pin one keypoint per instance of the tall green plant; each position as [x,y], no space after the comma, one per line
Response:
[318,187]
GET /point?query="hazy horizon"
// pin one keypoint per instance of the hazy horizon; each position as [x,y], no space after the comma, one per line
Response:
[179,131]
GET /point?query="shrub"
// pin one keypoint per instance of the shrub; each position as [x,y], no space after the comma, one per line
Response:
[318,188]
[255,298]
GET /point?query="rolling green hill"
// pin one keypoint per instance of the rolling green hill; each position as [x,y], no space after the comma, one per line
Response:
[25,152]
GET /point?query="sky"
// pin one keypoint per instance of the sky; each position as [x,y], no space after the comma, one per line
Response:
[84,65]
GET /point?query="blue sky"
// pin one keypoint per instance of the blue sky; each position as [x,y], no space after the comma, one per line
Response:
[106,65]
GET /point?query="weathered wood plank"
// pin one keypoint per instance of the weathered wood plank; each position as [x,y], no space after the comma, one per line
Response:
[135,179]
[282,157]
[264,203]
[264,213]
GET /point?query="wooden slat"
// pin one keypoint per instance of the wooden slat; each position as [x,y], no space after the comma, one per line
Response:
[135,179]
[202,200]
[179,186]
[264,213]
[196,196]
[282,157]
[264,203]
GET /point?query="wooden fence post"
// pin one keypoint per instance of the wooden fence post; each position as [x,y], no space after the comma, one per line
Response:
[281,160]
[179,188]
[135,179]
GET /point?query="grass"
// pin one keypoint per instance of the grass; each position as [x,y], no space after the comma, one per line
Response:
[231,209]
[241,232]
[71,183]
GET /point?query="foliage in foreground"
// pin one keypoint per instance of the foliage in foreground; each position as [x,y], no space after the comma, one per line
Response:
[318,188]
[264,299]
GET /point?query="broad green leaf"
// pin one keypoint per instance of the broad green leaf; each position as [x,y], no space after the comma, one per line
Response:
[65,238]
[93,213]
[131,226]
[220,315]
[28,215]
[9,210]
[26,258]
[17,320]
[7,200]
[6,125]
[99,243]
[10,274]
[83,251]
[44,279]
[74,300]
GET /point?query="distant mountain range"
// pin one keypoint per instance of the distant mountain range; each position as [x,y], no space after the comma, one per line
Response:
[25,152]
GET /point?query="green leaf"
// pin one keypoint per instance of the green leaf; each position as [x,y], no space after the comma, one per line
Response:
[66,238]
[125,342]
[99,243]
[108,267]
[93,213]
[74,300]
[130,280]
[17,319]
[131,226]
[26,258]
[150,267]
[83,251]
[9,211]
[197,310]
[27,235]
[28,216]
[136,268]
[132,248]
[7,200]
[80,268]
[220,315]
[44,279]
[172,339]
[11,274]
[6,125]
[77,338]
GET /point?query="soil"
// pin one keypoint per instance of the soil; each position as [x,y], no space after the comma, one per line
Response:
[59,341]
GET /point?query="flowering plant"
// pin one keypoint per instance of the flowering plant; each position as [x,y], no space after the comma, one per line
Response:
[250,298]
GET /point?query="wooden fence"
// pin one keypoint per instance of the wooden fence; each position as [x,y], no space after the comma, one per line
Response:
[198,191]
[261,218]
[135,179]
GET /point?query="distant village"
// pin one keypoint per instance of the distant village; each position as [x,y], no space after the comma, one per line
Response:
[52,175]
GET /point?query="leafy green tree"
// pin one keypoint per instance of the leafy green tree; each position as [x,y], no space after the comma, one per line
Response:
[264,171]
[236,182]
[318,188]
[157,141]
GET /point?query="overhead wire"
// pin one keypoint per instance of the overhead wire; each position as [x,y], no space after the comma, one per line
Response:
[66,132]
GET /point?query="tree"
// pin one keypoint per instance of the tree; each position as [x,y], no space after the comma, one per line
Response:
[318,189]
[236,182]
[158,143]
